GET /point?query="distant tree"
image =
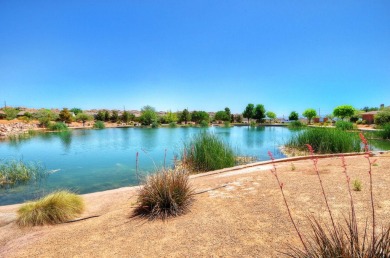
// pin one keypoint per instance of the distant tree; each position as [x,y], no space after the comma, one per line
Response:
[76,111]
[293,116]
[65,116]
[227,111]
[114,116]
[367,109]
[222,116]
[100,115]
[148,115]
[199,116]
[231,118]
[271,115]
[83,117]
[238,118]
[170,117]
[126,117]
[259,113]
[10,113]
[309,114]
[45,116]
[344,111]
[106,115]
[185,116]
[249,112]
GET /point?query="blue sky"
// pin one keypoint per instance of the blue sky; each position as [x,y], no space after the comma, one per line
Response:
[202,55]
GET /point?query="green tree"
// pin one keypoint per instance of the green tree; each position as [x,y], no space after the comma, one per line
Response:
[100,115]
[271,115]
[231,118]
[170,117]
[114,116]
[259,113]
[293,116]
[227,111]
[45,116]
[383,117]
[127,117]
[10,113]
[199,116]
[76,111]
[222,116]
[106,115]
[83,117]
[249,112]
[309,114]
[185,116]
[238,118]
[66,116]
[148,115]
[344,111]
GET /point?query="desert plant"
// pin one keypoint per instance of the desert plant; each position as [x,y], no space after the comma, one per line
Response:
[15,172]
[164,194]
[10,113]
[99,125]
[357,185]
[325,140]
[344,125]
[54,208]
[206,152]
[59,126]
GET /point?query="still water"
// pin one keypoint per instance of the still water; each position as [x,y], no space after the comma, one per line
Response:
[95,160]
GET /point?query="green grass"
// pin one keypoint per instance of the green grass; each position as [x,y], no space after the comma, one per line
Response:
[296,125]
[207,152]
[172,125]
[344,125]
[226,124]
[59,126]
[16,172]
[54,208]
[99,125]
[326,140]
[164,194]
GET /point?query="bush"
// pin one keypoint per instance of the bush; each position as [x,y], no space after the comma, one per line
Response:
[54,208]
[207,152]
[166,193]
[296,124]
[253,124]
[357,185]
[172,124]
[383,117]
[385,132]
[325,140]
[13,172]
[155,125]
[59,126]
[226,124]
[344,125]
[99,125]
[204,123]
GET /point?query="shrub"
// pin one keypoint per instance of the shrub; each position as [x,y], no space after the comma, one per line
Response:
[357,185]
[226,124]
[155,125]
[385,132]
[59,126]
[10,113]
[253,124]
[99,125]
[166,193]
[13,172]
[296,124]
[325,140]
[204,123]
[207,152]
[344,125]
[383,116]
[54,208]
[172,124]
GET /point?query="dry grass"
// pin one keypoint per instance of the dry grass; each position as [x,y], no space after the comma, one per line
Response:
[54,208]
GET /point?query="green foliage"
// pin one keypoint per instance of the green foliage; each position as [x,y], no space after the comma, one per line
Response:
[59,126]
[114,116]
[344,125]
[55,208]
[344,111]
[253,124]
[65,116]
[385,131]
[383,117]
[357,185]
[204,123]
[155,124]
[271,115]
[222,116]
[227,111]
[259,113]
[100,115]
[127,117]
[325,140]
[185,116]
[83,117]
[367,109]
[164,194]
[170,117]
[106,115]
[199,116]
[226,124]
[45,116]
[16,172]
[76,111]
[293,116]
[99,125]
[172,125]
[309,114]
[295,124]
[238,118]
[206,152]
[249,112]
[148,115]
[10,113]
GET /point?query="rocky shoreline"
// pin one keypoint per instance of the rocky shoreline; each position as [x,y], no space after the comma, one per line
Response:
[17,128]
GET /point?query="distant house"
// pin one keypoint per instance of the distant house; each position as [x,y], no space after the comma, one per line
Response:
[369,116]
[320,119]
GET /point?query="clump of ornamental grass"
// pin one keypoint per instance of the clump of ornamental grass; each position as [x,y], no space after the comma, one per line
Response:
[16,172]
[59,126]
[357,185]
[99,125]
[55,208]
[340,239]
[344,125]
[207,152]
[325,140]
[296,124]
[165,194]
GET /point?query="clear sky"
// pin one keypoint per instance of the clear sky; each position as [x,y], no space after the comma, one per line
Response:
[202,55]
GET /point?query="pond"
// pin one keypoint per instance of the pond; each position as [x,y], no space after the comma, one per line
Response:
[95,160]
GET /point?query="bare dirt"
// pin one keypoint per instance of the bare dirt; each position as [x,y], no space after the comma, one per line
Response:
[239,213]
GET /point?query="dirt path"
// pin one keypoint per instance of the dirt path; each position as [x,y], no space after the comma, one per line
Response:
[244,216]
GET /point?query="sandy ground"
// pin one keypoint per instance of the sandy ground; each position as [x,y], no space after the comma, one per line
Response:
[241,214]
